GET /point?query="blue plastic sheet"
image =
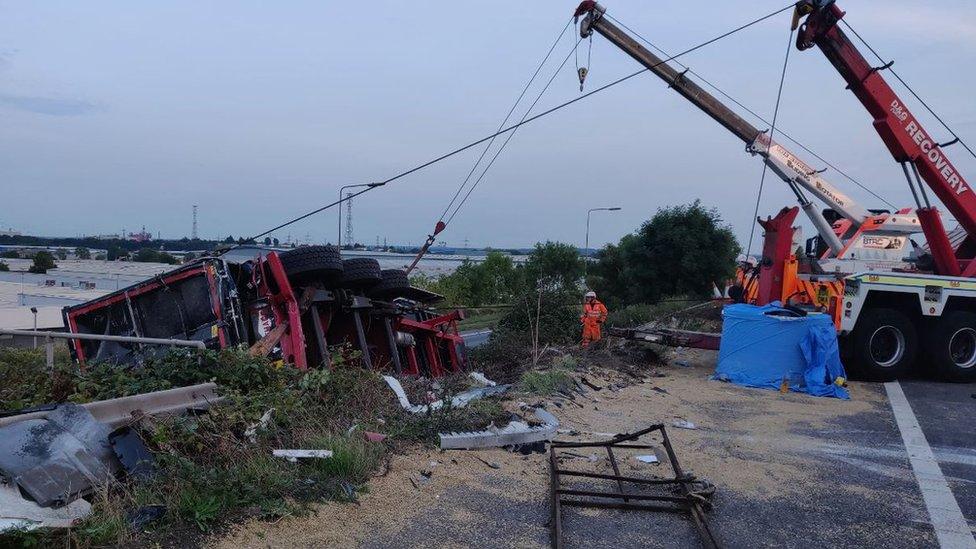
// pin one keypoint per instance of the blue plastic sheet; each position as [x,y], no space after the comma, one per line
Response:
[767,346]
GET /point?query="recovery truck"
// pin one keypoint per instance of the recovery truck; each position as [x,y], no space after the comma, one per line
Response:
[296,306]
[888,297]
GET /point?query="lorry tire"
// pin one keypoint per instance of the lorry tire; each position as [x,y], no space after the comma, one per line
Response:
[951,344]
[393,284]
[885,344]
[360,273]
[312,264]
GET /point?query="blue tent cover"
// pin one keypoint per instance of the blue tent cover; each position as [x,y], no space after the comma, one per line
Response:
[763,346]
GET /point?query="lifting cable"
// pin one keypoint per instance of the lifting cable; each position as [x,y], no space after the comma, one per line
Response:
[909,88]
[512,133]
[505,121]
[522,122]
[772,130]
[754,113]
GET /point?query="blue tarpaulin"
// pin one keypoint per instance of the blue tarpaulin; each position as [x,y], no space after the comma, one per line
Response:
[769,345]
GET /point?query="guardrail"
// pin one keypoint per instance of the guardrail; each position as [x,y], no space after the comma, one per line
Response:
[49,338]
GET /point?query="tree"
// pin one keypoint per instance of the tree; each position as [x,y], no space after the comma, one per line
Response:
[555,265]
[82,253]
[267,241]
[4,267]
[229,240]
[114,252]
[42,262]
[682,250]
[275,242]
[61,254]
[10,254]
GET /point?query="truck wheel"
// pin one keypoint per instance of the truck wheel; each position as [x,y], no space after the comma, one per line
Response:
[885,344]
[312,264]
[360,273]
[394,282]
[951,344]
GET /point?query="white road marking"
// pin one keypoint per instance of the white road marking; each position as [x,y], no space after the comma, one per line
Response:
[950,525]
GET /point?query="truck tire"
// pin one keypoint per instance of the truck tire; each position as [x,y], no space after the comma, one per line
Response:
[885,344]
[312,264]
[360,273]
[951,344]
[393,284]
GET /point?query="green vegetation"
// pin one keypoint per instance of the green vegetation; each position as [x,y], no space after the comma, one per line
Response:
[4,266]
[149,255]
[546,382]
[82,252]
[209,472]
[42,262]
[682,250]
[10,254]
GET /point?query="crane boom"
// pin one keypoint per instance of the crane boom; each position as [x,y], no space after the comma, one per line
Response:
[780,160]
[909,143]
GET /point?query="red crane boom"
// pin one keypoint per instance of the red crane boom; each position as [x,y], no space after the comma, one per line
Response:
[909,143]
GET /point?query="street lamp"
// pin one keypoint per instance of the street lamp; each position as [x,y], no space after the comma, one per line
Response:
[342,188]
[34,311]
[586,245]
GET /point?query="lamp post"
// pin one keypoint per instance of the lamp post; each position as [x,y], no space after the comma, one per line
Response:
[586,244]
[342,188]
[34,311]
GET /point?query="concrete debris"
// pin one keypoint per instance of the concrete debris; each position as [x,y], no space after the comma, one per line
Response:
[515,433]
[19,513]
[122,411]
[649,458]
[60,458]
[683,424]
[294,455]
[460,400]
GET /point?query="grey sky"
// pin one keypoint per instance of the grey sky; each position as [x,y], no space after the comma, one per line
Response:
[123,114]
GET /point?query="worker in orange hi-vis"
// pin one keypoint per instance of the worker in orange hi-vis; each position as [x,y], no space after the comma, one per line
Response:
[594,314]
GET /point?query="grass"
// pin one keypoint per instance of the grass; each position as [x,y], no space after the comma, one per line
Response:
[480,320]
[546,382]
[209,473]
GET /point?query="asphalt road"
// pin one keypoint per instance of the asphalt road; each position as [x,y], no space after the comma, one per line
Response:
[476,338]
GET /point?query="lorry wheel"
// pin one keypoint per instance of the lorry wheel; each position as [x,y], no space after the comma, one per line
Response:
[312,264]
[885,344]
[394,282]
[360,273]
[951,344]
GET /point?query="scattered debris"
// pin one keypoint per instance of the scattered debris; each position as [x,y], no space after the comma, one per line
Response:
[491,464]
[683,424]
[135,458]
[660,390]
[480,379]
[139,518]
[251,433]
[60,458]
[373,437]
[295,455]
[648,458]
[20,513]
[460,400]
[692,497]
[515,433]
[590,384]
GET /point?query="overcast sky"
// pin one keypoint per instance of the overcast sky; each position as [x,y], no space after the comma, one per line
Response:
[123,114]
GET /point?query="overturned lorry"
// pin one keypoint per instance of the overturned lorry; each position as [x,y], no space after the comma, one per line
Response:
[292,306]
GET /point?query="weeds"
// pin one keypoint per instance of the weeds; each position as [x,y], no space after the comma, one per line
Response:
[546,382]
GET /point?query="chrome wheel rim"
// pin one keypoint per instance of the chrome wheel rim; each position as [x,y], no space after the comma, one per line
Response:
[962,348]
[887,346]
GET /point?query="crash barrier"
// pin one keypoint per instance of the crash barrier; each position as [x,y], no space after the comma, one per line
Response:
[49,338]
[773,347]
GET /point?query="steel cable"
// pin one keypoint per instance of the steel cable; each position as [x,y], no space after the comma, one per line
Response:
[523,122]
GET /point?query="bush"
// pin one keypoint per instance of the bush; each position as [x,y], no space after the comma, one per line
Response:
[681,250]
[149,255]
[82,253]
[42,262]
[10,254]
[4,267]
[641,313]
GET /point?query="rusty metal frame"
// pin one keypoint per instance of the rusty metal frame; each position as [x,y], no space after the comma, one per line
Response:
[688,502]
